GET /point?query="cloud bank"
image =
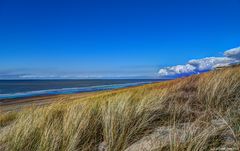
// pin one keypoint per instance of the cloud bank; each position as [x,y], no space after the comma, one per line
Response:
[135,72]
[196,66]
[233,53]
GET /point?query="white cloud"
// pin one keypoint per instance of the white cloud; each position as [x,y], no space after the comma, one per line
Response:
[210,63]
[233,53]
[195,66]
[174,70]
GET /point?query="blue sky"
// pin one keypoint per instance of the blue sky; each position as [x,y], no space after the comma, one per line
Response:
[117,38]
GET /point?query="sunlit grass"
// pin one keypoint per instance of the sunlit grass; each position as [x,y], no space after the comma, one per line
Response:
[197,113]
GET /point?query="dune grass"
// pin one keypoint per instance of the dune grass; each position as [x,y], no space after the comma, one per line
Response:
[200,112]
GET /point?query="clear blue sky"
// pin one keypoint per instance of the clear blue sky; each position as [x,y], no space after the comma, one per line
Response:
[117,38]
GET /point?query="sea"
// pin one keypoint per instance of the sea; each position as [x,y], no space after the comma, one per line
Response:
[11,89]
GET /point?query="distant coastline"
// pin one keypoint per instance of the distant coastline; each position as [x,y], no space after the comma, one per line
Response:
[44,97]
[32,88]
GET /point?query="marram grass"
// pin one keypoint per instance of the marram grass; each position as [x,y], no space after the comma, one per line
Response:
[200,112]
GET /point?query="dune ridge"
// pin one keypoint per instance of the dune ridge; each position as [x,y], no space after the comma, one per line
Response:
[200,112]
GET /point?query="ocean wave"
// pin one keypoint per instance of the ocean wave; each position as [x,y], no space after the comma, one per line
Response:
[68,90]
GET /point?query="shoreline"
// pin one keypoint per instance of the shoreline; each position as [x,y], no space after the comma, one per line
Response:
[68,90]
[15,104]
[18,103]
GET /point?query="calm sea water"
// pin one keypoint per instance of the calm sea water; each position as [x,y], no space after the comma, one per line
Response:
[29,88]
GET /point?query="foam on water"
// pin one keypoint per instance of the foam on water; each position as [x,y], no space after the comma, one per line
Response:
[68,90]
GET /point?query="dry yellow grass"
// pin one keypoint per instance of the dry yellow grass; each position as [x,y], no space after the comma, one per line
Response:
[200,112]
